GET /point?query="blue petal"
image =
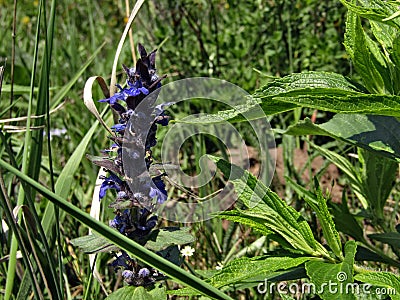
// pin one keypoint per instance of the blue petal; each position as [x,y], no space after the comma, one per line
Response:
[118,127]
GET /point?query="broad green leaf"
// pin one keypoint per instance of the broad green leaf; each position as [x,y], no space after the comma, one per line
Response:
[93,244]
[378,64]
[162,238]
[389,281]
[375,133]
[384,34]
[395,51]
[272,225]
[138,293]
[265,96]
[246,269]
[326,275]
[317,90]
[391,238]
[158,241]
[158,293]
[394,55]
[311,79]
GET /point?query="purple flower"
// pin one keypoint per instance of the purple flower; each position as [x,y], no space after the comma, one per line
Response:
[122,221]
[127,274]
[118,127]
[138,221]
[113,99]
[144,272]
[159,191]
[121,261]
[149,224]
[161,197]
[136,91]
[123,94]
[111,182]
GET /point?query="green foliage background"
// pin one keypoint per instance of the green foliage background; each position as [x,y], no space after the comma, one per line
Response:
[245,43]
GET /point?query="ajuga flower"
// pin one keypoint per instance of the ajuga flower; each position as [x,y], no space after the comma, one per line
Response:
[132,218]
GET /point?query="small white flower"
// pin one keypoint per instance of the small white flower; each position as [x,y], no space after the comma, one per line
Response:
[187,251]
[219,266]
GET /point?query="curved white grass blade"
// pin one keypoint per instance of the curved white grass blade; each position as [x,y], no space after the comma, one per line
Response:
[95,213]
[88,99]
[32,117]
[13,129]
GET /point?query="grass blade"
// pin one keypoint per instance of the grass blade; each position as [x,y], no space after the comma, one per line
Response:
[122,241]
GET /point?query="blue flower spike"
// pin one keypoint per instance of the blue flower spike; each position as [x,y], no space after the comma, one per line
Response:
[133,219]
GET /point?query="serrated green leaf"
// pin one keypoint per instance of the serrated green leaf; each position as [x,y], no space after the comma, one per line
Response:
[311,79]
[379,134]
[163,238]
[328,226]
[247,269]
[93,244]
[264,97]
[391,238]
[343,219]
[380,65]
[265,207]
[394,55]
[344,102]
[376,10]
[255,223]
[389,281]
[326,275]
